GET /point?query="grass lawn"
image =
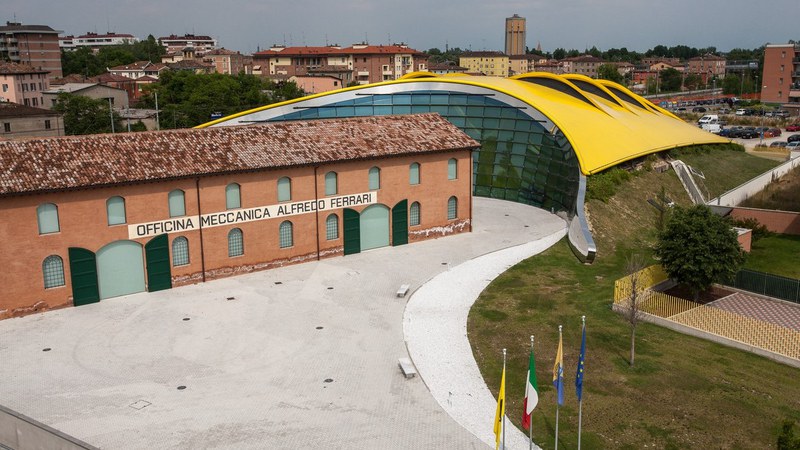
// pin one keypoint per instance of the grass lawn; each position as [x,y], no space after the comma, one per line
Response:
[683,392]
[778,254]
[723,174]
[783,194]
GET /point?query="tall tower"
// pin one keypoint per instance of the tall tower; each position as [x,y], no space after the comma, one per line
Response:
[515,35]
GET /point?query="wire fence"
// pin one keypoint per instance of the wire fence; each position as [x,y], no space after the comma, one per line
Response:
[767,284]
[747,330]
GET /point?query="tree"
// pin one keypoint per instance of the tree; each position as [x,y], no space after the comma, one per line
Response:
[84,115]
[731,84]
[559,53]
[609,72]
[670,80]
[698,248]
[632,312]
[692,81]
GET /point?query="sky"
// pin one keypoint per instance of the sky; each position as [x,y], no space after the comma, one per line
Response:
[247,25]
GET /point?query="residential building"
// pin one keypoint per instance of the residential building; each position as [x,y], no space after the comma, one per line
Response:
[96,41]
[515,35]
[316,84]
[139,69]
[117,97]
[225,61]
[23,84]
[552,66]
[20,121]
[583,65]
[201,44]
[444,68]
[490,63]
[649,61]
[116,214]
[196,66]
[361,63]
[522,63]
[33,45]
[707,66]
[780,81]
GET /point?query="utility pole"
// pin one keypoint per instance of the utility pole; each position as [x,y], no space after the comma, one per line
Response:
[111,114]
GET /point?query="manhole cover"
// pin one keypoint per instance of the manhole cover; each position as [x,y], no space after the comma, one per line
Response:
[279,282]
[231,298]
[329,380]
[330,287]
[185,319]
[47,349]
[180,388]
[139,404]
[319,328]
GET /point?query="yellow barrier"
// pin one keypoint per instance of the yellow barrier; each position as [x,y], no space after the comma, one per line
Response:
[750,331]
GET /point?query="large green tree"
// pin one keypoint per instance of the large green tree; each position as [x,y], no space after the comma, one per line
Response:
[609,72]
[83,61]
[698,248]
[670,80]
[84,115]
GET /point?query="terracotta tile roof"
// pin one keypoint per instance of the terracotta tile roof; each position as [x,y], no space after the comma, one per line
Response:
[10,68]
[486,54]
[73,162]
[9,110]
[72,78]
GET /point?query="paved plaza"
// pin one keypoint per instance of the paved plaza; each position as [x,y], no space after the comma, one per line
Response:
[766,309]
[299,357]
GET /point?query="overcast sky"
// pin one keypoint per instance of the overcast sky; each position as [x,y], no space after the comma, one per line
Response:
[245,25]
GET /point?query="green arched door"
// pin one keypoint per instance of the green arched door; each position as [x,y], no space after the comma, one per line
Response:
[120,269]
[374,223]
[158,264]
[400,223]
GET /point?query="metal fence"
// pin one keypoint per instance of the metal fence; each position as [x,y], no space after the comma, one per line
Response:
[767,284]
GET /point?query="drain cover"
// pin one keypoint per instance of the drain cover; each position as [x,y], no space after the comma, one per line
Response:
[185,319]
[319,328]
[329,380]
[47,349]
[330,287]
[231,298]
[180,388]
[279,282]
[139,404]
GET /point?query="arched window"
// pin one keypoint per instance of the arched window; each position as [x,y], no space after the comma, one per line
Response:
[53,271]
[47,216]
[180,251]
[177,203]
[332,227]
[414,214]
[115,209]
[233,196]
[374,178]
[235,242]
[285,189]
[452,208]
[413,173]
[285,231]
[452,169]
[331,182]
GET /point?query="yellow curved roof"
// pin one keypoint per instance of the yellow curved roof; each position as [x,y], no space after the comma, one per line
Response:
[606,123]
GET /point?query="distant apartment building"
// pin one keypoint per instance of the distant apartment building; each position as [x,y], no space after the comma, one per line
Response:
[139,69]
[522,63]
[20,121]
[658,59]
[225,61]
[781,76]
[489,63]
[34,45]
[22,84]
[515,35]
[117,97]
[317,84]
[200,44]
[550,66]
[584,65]
[707,66]
[96,41]
[360,63]
[445,68]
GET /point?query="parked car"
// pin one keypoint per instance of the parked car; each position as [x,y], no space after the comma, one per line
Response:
[793,127]
[780,144]
[772,132]
[741,112]
[793,138]
[698,109]
[781,113]
[793,145]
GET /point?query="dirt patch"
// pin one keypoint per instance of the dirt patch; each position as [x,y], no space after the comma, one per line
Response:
[707,296]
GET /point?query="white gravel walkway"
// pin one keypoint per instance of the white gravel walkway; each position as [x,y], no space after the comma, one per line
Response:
[435,330]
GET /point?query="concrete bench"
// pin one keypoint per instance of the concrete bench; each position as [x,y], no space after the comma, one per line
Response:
[407,367]
[403,290]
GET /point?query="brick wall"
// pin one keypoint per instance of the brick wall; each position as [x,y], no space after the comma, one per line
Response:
[783,222]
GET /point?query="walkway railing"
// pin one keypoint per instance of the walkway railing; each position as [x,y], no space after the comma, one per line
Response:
[743,329]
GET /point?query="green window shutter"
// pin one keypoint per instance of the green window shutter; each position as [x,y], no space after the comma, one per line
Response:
[177,203]
[47,217]
[400,223]
[156,252]
[352,232]
[83,274]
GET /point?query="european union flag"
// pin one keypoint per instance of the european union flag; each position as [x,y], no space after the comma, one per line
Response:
[579,375]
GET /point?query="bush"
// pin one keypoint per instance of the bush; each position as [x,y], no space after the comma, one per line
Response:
[602,186]
[759,230]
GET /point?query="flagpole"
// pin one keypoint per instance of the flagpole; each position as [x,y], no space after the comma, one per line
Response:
[557,404]
[504,416]
[580,400]
[530,426]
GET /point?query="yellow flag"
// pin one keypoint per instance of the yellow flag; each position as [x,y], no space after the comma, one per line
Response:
[501,410]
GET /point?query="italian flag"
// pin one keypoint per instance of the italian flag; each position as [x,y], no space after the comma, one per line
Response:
[531,394]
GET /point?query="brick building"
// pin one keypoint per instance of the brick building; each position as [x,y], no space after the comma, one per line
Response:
[781,76]
[33,45]
[708,66]
[18,121]
[583,65]
[94,217]
[200,44]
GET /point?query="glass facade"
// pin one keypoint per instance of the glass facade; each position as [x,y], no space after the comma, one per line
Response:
[519,159]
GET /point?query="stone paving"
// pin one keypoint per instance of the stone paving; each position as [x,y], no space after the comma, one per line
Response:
[774,311]
[301,357]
